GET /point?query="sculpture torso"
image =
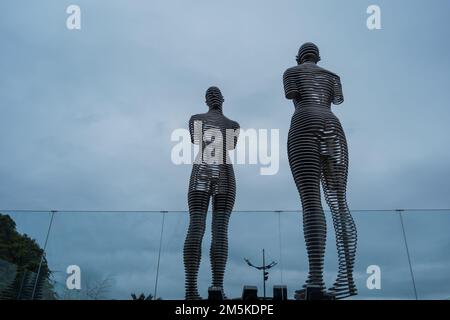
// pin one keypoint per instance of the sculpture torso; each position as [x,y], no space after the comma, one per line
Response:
[212,170]
[312,90]
[312,86]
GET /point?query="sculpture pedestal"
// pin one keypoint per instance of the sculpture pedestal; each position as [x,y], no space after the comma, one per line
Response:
[280,293]
[215,294]
[250,293]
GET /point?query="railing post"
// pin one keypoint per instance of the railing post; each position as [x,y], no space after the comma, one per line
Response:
[280,245]
[43,254]
[159,254]
[400,213]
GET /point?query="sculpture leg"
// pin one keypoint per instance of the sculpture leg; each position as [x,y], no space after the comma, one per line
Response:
[198,208]
[305,160]
[222,207]
[334,181]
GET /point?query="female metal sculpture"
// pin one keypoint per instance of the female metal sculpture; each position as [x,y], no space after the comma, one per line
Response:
[317,151]
[212,176]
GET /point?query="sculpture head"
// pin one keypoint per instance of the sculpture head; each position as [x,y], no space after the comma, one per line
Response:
[308,52]
[214,98]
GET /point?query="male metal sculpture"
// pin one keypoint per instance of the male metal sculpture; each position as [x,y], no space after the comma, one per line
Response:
[212,176]
[317,151]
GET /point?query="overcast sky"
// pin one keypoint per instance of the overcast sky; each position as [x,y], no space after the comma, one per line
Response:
[87,115]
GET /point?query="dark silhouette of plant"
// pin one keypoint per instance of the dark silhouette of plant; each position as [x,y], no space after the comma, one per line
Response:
[143,297]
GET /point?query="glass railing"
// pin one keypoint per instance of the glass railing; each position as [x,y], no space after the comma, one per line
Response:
[121,253]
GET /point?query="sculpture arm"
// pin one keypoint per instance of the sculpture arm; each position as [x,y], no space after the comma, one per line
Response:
[290,86]
[232,136]
[338,96]
[195,130]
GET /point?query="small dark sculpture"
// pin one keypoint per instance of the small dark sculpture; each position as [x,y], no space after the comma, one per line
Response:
[317,151]
[212,176]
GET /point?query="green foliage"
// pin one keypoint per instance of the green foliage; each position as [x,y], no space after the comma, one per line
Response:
[25,255]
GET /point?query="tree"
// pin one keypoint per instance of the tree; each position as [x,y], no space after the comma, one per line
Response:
[92,289]
[25,255]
